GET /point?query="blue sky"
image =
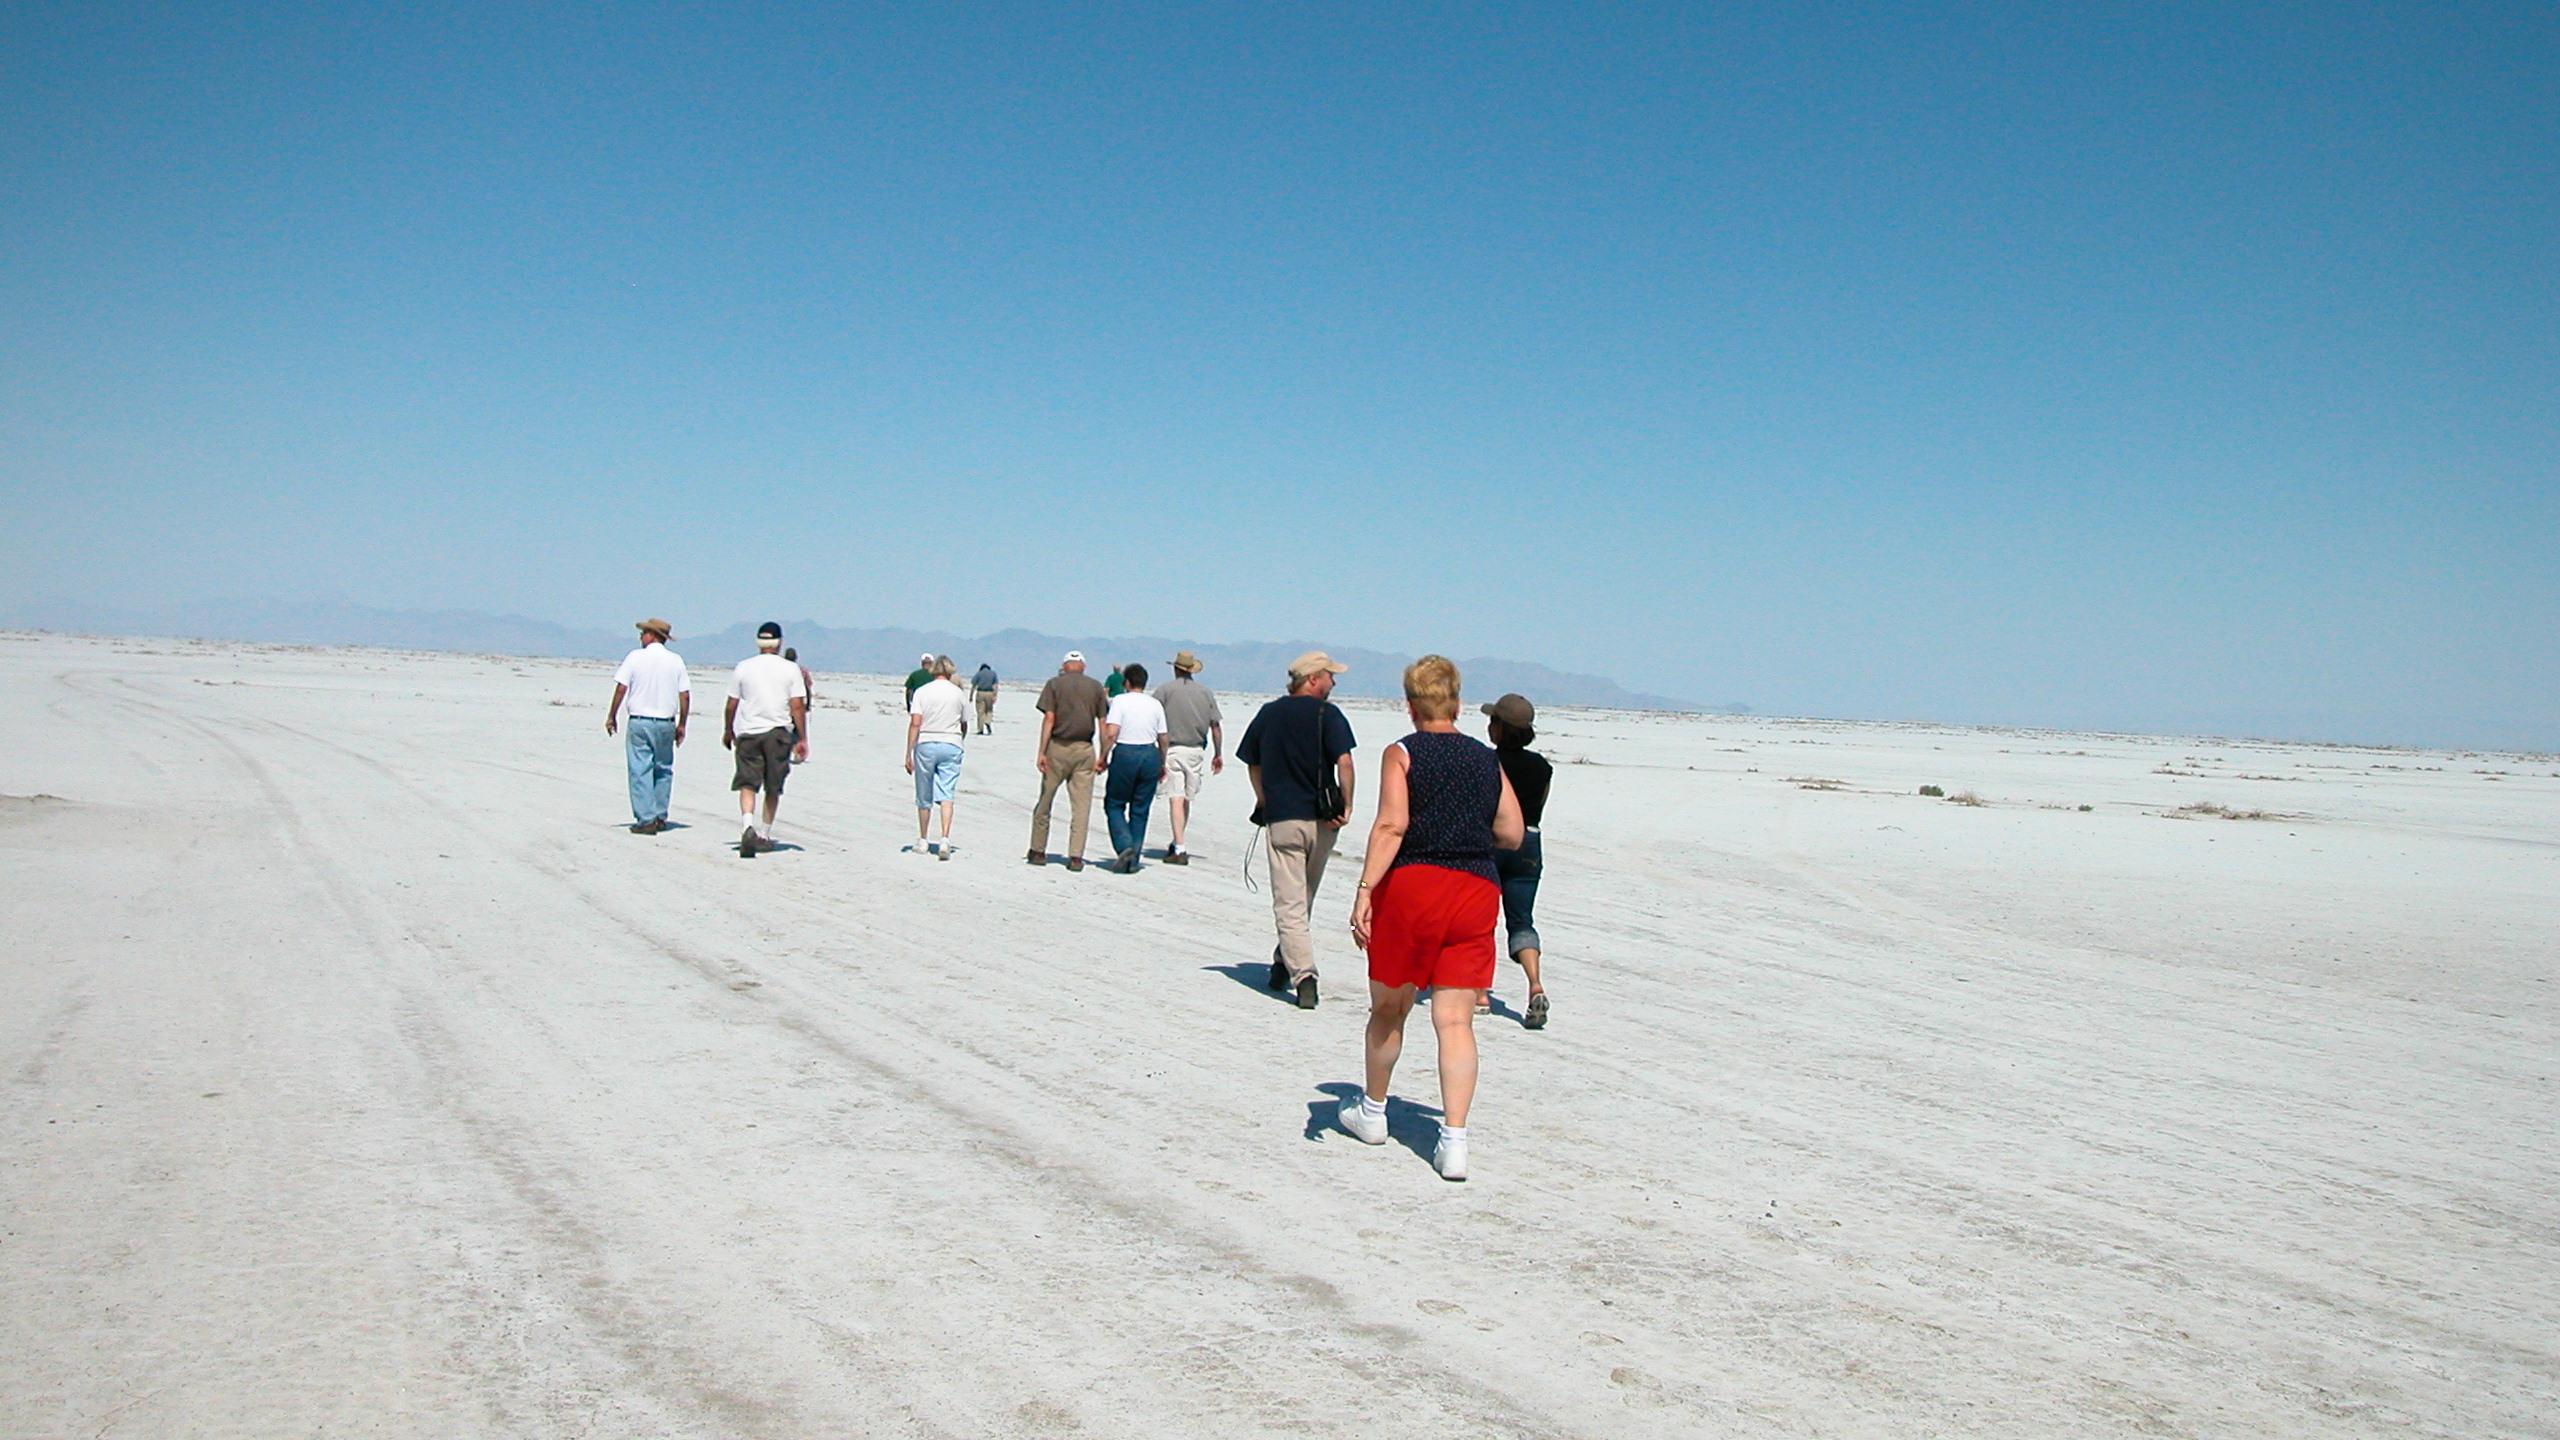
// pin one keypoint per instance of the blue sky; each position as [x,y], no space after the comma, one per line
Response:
[2146,367]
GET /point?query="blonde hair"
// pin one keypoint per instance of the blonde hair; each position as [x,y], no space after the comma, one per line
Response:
[1431,684]
[943,668]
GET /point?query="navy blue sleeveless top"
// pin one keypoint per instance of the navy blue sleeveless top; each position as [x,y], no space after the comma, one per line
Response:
[1453,786]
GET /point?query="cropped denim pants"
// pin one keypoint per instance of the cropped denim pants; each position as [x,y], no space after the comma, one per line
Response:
[1519,870]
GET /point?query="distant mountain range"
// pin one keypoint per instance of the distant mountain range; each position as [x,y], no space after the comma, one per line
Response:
[1018,655]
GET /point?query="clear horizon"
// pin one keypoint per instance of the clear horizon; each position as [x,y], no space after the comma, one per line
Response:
[2119,369]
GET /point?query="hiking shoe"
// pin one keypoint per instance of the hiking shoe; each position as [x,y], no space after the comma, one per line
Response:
[642,829]
[1360,1126]
[1449,1157]
[746,842]
[1075,862]
[1177,857]
[1536,1019]
[1307,993]
[1279,974]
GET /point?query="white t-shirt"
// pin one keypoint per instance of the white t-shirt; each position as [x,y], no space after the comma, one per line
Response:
[1140,717]
[652,677]
[764,687]
[945,710]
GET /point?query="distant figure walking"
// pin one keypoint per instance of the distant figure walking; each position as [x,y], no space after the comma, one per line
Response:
[1297,753]
[653,682]
[1195,746]
[1512,726]
[917,678]
[808,683]
[1071,708]
[768,704]
[1133,744]
[937,732]
[1116,683]
[985,686]
[1429,894]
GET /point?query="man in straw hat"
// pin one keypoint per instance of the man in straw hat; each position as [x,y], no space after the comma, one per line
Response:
[1196,745]
[1287,752]
[653,682]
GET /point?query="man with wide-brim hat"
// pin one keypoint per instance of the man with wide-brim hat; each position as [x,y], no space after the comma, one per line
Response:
[1295,745]
[1195,746]
[652,681]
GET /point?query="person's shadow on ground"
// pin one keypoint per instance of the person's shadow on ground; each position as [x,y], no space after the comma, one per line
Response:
[1415,1127]
[1255,978]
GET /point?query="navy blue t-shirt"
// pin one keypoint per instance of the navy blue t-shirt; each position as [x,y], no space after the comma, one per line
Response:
[1282,740]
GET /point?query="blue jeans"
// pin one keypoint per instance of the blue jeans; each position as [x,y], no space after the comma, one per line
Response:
[1520,870]
[1129,794]
[650,746]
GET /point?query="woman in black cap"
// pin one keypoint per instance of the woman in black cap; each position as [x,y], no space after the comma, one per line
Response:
[1512,726]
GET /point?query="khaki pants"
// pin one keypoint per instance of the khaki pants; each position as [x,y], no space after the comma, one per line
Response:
[1299,850]
[986,708]
[1070,765]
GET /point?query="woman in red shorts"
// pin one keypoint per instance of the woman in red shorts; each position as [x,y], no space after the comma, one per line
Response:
[1428,900]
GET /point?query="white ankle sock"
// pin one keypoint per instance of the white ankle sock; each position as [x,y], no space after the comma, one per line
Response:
[765,828]
[1372,1108]
[1458,1133]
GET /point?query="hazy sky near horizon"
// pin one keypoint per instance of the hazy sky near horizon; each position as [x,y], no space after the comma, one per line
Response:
[2189,368]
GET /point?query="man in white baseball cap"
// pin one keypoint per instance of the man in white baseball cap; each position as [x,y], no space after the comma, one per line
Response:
[1071,708]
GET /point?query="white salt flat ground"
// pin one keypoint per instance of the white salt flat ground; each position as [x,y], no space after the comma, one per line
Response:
[363,1077]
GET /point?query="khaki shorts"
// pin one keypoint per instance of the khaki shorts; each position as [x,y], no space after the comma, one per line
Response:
[764,760]
[1186,769]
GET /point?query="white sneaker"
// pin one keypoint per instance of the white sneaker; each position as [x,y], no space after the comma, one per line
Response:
[1362,1126]
[1449,1157]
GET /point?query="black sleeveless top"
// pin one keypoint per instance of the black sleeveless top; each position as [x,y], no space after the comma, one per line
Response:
[1453,786]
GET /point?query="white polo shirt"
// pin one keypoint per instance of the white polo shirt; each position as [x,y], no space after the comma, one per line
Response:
[944,708]
[764,687]
[652,678]
[1139,715]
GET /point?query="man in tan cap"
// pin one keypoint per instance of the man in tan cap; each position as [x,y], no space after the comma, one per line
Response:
[1196,745]
[1297,752]
[653,680]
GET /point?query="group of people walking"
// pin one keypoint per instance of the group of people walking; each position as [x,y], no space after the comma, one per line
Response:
[1453,848]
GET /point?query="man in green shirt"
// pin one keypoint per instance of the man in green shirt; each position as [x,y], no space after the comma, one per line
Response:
[923,676]
[1115,684]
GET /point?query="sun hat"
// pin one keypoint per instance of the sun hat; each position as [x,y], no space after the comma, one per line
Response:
[655,626]
[1313,662]
[1076,656]
[1514,711]
[1186,663]
[925,659]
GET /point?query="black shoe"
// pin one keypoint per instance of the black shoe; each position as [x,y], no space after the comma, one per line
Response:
[747,842]
[1128,862]
[1307,993]
[1279,974]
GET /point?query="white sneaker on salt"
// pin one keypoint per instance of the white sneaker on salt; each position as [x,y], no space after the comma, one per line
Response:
[1362,1126]
[1449,1157]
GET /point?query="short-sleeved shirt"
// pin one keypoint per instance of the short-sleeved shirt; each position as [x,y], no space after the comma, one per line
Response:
[944,710]
[1282,742]
[764,687]
[986,677]
[916,682]
[1116,686]
[1139,715]
[653,682]
[1190,708]
[1076,702]
[1530,776]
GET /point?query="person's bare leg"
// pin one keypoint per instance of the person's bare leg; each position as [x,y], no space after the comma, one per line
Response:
[772,803]
[746,807]
[1528,959]
[1388,1005]
[1453,1020]
[924,824]
[1181,817]
[946,807]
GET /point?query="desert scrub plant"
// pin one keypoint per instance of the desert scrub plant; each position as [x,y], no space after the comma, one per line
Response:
[1967,797]
[1934,792]
[1812,782]
[2216,810]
